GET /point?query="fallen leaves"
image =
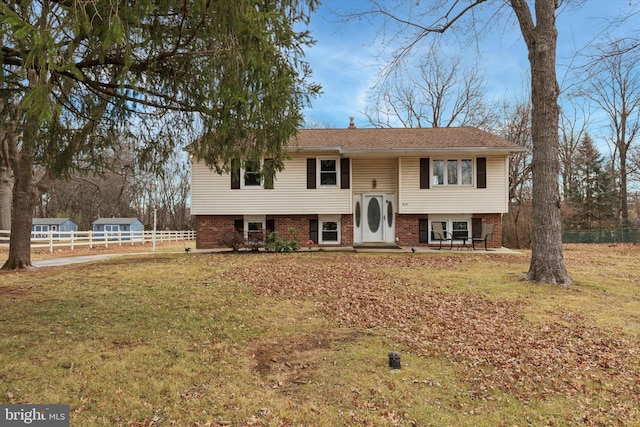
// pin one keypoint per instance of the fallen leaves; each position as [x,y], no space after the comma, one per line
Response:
[490,337]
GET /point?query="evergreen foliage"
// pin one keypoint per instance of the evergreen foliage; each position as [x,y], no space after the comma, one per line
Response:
[228,74]
[288,242]
[592,192]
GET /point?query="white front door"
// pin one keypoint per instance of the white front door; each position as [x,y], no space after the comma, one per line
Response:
[373,226]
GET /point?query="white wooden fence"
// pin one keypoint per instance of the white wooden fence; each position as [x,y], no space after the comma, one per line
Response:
[71,239]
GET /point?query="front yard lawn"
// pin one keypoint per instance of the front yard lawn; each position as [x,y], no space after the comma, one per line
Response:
[303,339]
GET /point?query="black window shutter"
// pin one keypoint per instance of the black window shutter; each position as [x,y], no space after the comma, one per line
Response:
[313,230]
[344,173]
[481,170]
[270,226]
[423,230]
[424,173]
[235,174]
[268,174]
[476,227]
[311,173]
[238,224]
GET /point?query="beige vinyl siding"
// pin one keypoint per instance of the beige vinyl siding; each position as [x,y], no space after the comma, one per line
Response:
[384,171]
[211,193]
[449,199]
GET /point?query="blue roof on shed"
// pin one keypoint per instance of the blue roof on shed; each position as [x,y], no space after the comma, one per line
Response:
[117,221]
[50,221]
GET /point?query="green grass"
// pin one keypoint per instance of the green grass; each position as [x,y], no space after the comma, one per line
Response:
[302,339]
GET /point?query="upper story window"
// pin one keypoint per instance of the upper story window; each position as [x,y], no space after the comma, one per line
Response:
[452,172]
[252,174]
[328,172]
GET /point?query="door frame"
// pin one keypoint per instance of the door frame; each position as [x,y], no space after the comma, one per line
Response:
[359,227]
[369,236]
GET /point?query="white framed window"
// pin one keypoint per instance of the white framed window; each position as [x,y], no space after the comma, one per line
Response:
[257,174]
[461,228]
[458,227]
[329,229]
[328,172]
[452,172]
[254,228]
[251,174]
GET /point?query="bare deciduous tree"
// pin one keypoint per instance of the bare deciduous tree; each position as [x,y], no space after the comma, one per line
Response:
[573,127]
[539,32]
[614,85]
[438,92]
[516,127]
[124,191]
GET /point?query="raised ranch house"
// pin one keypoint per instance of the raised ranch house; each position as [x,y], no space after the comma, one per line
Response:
[363,187]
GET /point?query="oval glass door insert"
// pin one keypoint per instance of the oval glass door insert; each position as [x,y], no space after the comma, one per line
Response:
[373,215]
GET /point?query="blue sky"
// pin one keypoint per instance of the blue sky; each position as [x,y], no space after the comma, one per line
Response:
[344,57]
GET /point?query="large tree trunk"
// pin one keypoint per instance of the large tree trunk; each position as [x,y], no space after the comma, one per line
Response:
[25,196]
[6,191]
[547,259]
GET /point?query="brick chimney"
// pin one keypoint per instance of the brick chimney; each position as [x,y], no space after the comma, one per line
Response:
[351,124]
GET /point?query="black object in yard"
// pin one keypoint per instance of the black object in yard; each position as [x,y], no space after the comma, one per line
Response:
[394,360]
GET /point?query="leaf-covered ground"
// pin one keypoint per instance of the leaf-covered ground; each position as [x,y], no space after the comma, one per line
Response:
[301,339]
[500,349]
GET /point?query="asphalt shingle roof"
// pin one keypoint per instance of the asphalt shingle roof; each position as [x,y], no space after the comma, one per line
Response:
[381,139]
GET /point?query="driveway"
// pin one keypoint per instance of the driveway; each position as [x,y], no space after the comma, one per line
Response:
[54,262]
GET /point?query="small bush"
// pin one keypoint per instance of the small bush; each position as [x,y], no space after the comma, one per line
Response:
[233,240]
[278,243]
[255,240]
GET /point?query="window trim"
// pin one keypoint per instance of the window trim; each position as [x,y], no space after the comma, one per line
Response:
[326,219]
[243,174]
[319,172]
[253,219]
[239,178]
[435,179]
[449,220]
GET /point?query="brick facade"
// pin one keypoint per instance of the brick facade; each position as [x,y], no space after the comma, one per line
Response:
[407,232]
[407,229]
[210,228]
[496,218]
